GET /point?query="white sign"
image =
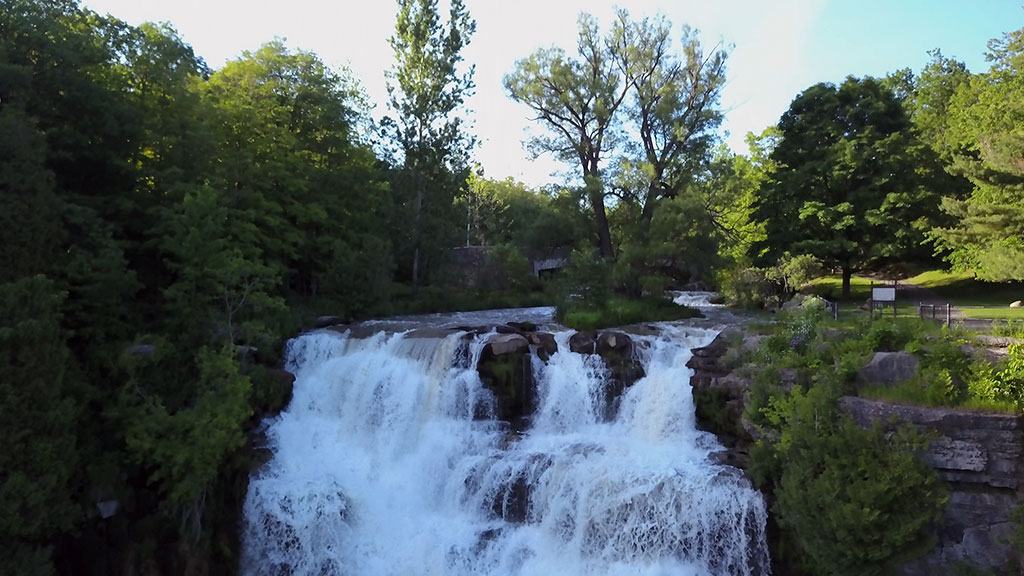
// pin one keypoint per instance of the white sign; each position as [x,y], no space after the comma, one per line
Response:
[883,293]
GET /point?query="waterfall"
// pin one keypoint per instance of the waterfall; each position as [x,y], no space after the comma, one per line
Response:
[388,461]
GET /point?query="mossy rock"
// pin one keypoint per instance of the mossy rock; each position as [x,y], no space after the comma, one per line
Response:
[510,378]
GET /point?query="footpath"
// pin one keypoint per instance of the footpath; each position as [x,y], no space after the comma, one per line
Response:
[918,296]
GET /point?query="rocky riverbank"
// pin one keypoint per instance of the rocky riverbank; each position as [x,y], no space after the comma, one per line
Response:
[977,455]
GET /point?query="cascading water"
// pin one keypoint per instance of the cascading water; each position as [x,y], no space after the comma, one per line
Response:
[383,465]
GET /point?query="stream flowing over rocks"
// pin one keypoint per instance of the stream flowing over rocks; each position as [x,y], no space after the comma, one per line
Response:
[468,444]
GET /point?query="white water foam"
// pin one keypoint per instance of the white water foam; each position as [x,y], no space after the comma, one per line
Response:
[380,468]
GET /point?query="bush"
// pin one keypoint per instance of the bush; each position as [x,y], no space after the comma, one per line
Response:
[853,501]
[848,500]
[748,288]
[1003,385]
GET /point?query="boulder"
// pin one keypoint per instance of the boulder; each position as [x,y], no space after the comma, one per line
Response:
[795,302]
[615,344]
[325,321]
[890,368]
[523,326]
[996,341]
[1016,304]
[545,343]
[502,344]
[583,343]
[990,355]
[509,329]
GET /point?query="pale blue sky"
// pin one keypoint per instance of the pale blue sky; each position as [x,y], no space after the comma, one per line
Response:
[781,46]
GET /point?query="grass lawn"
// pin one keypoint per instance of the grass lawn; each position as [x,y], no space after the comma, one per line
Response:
[831,287]
[994,313]
[976,298]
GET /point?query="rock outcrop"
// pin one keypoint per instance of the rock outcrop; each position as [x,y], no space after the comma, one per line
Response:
[890,368]
[506,371]
[720,395]
[980,458]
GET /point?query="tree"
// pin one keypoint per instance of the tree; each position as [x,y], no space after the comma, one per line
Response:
[584,103]
[847,187]
[38,423]
[984,134]
[427,88]
[674,105]
[577,99]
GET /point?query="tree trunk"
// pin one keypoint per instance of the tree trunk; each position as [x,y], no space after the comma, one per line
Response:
[847,273]
[647,214]
[416,232]
[595,193]
[604,236]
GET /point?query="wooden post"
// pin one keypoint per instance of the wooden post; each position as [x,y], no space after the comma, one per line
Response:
[871,301]
[949,313]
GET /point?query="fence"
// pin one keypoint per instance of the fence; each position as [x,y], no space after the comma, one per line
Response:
[833,308]
[931,310]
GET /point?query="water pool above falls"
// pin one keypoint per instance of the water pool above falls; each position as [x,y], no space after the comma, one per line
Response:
[383,465]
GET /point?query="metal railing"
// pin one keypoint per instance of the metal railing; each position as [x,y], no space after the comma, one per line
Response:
[942,312]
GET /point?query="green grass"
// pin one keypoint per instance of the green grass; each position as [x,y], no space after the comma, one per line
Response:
[994,313]
[963,289]
[975,298]
[831,287]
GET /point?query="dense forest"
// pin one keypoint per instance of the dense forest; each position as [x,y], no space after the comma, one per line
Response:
[166,226]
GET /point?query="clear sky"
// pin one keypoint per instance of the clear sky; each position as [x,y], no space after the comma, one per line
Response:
[780,47]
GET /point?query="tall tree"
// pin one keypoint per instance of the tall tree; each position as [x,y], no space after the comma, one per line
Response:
[674,106]
[984,133]
[584,102]
[846,188]
[576,98]
[427,87]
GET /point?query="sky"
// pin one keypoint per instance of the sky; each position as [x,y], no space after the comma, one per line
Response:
[778,47]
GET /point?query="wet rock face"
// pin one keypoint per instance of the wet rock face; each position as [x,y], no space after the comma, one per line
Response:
[616,349]
[506,371]
[720,397]
[544,343]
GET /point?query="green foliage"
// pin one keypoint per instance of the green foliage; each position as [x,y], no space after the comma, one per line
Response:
[38,421]
[186,446]
[853,500]
[627,75]
[748,288]
[981,134]
[1003,384]
[427,88]
[837,157]
[178,207]
[770,287]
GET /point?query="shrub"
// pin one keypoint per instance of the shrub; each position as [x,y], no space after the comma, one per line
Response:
[852,500]
[1003,385]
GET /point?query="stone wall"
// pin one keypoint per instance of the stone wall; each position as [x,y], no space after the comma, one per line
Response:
[979,457]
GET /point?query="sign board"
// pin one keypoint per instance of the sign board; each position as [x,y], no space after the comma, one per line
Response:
[883,293]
